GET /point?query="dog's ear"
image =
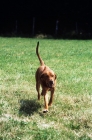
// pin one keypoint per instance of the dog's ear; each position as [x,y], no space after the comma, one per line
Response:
[42,76]
[55,76]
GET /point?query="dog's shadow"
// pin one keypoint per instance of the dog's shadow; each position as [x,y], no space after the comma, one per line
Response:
[28,107]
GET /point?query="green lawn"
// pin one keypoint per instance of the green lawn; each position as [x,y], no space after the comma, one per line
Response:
[21,116]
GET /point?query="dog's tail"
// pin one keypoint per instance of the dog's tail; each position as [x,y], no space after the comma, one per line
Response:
[40,59]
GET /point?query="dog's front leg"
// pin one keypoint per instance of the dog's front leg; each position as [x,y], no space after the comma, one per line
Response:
[51,97]
[46,102]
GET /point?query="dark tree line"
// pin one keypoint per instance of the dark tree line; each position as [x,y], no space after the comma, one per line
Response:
[16,17]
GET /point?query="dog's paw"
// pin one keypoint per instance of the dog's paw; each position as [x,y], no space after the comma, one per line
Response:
[45,111]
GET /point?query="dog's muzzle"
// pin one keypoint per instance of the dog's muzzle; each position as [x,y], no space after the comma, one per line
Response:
[50,84]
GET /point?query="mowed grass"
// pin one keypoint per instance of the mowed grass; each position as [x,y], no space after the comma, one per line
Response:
[21,116]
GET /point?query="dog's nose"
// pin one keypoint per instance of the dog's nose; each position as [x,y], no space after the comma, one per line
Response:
[51,82]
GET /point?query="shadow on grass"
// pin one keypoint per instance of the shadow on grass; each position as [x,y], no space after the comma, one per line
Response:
[28,107]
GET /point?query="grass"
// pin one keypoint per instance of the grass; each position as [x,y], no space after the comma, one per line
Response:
[21,117]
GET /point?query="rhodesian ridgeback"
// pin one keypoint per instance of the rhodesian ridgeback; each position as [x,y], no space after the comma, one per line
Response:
[47,79]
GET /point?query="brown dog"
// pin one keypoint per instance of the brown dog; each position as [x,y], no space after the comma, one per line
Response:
[47,79]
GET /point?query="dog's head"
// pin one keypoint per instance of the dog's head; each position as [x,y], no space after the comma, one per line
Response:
[48,79]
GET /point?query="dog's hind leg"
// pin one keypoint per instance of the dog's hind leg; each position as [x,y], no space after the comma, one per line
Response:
[38,89]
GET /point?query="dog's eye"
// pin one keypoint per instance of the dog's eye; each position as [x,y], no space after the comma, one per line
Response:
[52,75]
[47,76]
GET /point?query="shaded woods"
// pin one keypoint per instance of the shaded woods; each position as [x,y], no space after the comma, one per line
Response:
[66,19]
[46,27]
